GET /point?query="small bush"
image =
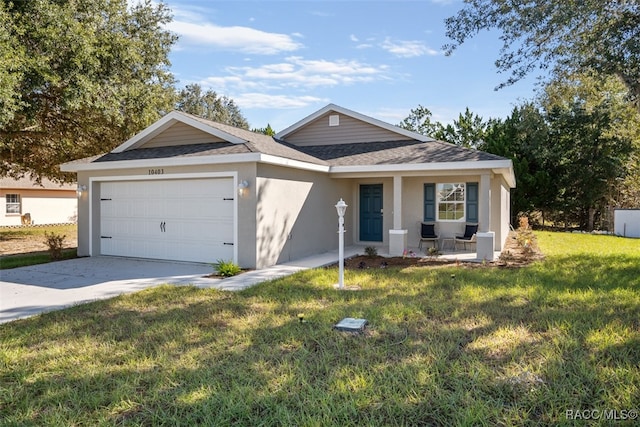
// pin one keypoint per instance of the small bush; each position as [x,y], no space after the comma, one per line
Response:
[433,252]
[523,222]
[55,243]
[371,251]
[227,268]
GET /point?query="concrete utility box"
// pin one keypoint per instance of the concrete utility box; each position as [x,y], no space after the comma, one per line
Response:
[626,222]
[484,245]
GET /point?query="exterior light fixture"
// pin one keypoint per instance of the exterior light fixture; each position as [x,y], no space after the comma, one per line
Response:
[341,207]
[81,189]
[242,187]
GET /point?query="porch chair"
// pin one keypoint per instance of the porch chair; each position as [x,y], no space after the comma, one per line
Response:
[428,234]
[469,236]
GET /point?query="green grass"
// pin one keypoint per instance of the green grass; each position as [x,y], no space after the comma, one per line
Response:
[33,258]
[8,234]
[489,347]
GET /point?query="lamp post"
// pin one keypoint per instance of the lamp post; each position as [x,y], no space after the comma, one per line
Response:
[341,207]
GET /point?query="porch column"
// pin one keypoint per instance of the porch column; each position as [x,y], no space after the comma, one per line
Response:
[397,236]
[484,238]
[484,208]
[397,202]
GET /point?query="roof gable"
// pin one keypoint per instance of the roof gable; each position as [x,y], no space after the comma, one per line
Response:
[337,125]
[173,123]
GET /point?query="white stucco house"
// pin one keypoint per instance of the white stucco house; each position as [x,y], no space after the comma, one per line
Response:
[190,189]
[24,201]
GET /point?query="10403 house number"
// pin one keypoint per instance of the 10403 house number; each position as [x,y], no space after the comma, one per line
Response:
[156,171]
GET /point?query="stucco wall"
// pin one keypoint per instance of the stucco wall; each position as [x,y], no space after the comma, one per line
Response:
[44,206]
[296,215]
[413,206]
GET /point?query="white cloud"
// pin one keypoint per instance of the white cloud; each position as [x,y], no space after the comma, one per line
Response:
[353,38]
[235,38]
[296,72]
[263,100]
[407,48]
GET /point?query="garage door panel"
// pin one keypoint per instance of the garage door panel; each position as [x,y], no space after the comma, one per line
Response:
[185,219]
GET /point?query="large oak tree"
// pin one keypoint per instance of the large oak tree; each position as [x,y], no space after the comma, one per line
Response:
[78,77]
[569,35]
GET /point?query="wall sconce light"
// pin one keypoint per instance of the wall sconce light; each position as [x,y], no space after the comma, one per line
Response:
[242,187]
[81,189]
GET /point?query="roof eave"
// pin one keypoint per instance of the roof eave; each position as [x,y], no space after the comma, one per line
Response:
[192,161]
[501,167]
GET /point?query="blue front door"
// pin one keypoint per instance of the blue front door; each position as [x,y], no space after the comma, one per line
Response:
[371,213]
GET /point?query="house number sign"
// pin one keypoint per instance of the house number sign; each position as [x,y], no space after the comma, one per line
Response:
[156,171]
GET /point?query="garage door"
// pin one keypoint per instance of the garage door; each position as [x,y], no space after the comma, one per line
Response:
[182,219]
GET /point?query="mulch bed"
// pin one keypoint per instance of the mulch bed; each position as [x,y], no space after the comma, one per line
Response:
[514,255]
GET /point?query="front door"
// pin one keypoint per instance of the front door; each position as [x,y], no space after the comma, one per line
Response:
[371,213]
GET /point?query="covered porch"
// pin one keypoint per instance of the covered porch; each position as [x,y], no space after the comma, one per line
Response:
[387,209]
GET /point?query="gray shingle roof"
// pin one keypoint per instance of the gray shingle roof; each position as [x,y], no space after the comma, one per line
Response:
[360,154]
[211,148]
[398,152]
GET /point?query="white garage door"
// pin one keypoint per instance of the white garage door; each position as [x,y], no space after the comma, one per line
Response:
[181,219]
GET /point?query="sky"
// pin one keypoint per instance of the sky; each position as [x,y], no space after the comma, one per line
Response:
[283,60]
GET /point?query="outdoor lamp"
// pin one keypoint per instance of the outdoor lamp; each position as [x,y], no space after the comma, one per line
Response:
[242,187]
[341,207]
[81,189]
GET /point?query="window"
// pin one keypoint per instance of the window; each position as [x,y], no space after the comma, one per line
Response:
[451,202]
[13,203]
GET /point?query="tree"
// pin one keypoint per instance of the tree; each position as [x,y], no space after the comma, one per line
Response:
[467,131]
[596,134]
[523,138]
[600,35]
[419,120]
[208,105]
[266,131]
[77,78]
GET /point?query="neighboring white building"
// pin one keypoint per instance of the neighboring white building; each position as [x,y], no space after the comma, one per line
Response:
[49,203]
[627,222]
[190,189]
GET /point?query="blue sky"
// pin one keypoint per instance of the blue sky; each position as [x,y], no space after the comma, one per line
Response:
[281,60]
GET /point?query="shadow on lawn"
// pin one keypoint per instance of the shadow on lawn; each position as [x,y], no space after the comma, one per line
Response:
[491,346]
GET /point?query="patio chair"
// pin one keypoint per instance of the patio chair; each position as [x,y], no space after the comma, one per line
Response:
[469,236]
[428,234]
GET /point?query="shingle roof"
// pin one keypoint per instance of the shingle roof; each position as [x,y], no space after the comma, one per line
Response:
[27,182]
[357,154]
[395,152]
[212,148]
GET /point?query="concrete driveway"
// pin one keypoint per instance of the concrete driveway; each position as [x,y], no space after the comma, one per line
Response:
[26,291]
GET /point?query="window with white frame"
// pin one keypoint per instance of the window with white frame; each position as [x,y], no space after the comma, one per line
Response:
[13,203]
[451,200]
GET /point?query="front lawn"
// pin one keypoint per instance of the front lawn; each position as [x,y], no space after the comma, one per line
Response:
[23,246]
[444,346]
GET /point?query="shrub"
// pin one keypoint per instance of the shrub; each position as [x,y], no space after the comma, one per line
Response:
[227,268]
[371,251]
[523,222]
[55,242]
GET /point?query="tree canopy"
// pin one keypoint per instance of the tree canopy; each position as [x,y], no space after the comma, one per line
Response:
[570,35]
[78,77]
[575,149]
[207,104]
